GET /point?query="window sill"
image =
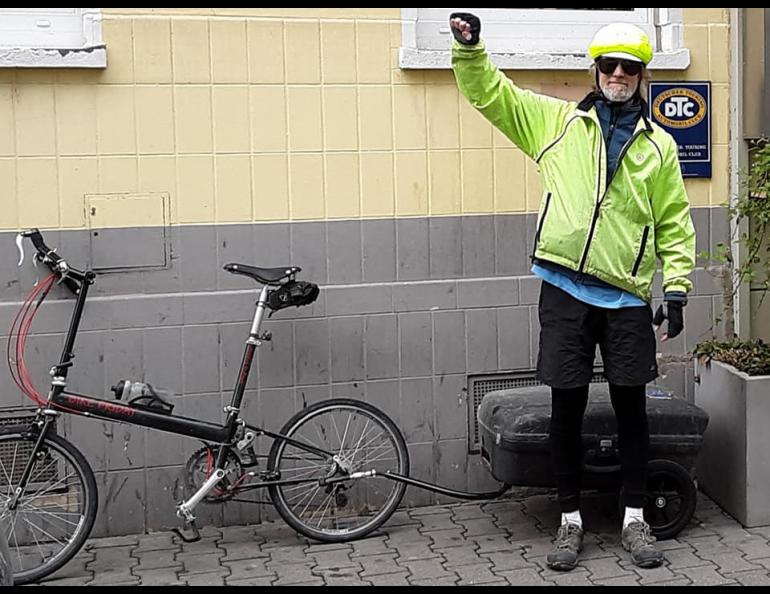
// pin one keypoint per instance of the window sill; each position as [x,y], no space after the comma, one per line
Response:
[414,59]
[26,57]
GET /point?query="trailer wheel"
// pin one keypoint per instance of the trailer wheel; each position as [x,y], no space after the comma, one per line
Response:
[672,498]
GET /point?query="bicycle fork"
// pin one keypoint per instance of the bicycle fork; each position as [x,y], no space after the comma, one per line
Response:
[43,425]
[185,509]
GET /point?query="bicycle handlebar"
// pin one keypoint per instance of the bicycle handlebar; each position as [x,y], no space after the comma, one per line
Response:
[71,277]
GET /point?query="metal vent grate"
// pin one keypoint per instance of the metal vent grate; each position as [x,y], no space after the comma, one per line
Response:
[16,416]
[12,453]
[479,385]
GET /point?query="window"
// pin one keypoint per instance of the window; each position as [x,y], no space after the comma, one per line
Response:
[51,37]
[538,38]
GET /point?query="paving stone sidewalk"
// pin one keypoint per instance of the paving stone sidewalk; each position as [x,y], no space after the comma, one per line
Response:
[500,542]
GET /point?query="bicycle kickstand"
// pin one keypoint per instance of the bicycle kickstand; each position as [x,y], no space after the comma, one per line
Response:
[196,535]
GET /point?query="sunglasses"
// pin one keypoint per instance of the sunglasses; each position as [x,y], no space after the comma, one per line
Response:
[608,66]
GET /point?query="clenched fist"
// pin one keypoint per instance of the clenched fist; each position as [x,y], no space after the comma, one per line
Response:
[466,27]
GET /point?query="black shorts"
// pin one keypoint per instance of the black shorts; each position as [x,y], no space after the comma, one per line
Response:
[570,330]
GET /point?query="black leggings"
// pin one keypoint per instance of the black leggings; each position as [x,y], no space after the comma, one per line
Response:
[567,409]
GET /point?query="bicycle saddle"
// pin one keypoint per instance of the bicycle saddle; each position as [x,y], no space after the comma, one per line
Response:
[266,276]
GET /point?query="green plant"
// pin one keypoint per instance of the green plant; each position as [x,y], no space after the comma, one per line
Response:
[750,214]
[750,356]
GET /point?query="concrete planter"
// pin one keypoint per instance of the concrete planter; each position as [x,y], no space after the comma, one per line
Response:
[733,466]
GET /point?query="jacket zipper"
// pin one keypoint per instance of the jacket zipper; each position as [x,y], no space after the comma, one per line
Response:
[608,143]
[542,221]
[641,251]
[599,200]
[595,215]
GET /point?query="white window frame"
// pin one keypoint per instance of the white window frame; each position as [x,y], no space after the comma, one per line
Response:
[537,39]
[52,38]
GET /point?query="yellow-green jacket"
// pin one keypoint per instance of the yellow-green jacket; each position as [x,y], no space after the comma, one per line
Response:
[614,230]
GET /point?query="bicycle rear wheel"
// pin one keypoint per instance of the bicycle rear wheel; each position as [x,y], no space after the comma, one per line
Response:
[54,516]
[361,438]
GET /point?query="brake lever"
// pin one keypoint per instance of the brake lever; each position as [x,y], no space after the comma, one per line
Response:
[20,247]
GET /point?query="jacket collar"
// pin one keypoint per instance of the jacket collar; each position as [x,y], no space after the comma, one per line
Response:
[589,103]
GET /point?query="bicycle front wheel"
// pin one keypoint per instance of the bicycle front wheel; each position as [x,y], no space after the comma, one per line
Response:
[361,438]
[52,519]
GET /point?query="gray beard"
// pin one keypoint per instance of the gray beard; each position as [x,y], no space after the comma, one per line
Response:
[617,95]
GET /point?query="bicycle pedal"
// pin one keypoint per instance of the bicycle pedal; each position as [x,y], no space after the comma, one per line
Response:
[196,535]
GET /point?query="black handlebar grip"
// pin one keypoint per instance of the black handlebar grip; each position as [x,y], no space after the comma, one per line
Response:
[37,240]
[473,21]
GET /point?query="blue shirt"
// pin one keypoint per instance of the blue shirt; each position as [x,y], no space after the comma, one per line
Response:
[599,295]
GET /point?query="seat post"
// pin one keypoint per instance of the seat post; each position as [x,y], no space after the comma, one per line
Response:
[252,342]
[259,314]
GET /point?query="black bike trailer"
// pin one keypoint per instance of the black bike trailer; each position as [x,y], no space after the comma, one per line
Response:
[514,427]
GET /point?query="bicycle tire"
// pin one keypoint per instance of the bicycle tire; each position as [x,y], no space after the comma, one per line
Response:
[338,496]
[60,478]
[6,573]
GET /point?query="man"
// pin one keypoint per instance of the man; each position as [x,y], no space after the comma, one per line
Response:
[614,200]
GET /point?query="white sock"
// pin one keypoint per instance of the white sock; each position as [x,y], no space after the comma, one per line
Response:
[633,514]
[572,518]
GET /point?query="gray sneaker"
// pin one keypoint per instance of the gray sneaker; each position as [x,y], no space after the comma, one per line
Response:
[637,539]
[568,543]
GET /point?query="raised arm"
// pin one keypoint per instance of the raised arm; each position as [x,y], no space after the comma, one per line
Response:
[530,120]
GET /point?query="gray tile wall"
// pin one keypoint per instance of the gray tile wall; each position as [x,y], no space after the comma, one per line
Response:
[408,309]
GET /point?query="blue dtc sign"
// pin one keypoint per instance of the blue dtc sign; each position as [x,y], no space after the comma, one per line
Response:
[682,109]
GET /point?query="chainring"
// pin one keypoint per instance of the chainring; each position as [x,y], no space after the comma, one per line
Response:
[200,466]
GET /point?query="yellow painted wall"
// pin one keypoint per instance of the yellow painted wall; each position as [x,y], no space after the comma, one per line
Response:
[282,114]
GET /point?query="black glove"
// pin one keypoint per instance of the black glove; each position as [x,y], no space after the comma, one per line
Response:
[673,311]
[473,21]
